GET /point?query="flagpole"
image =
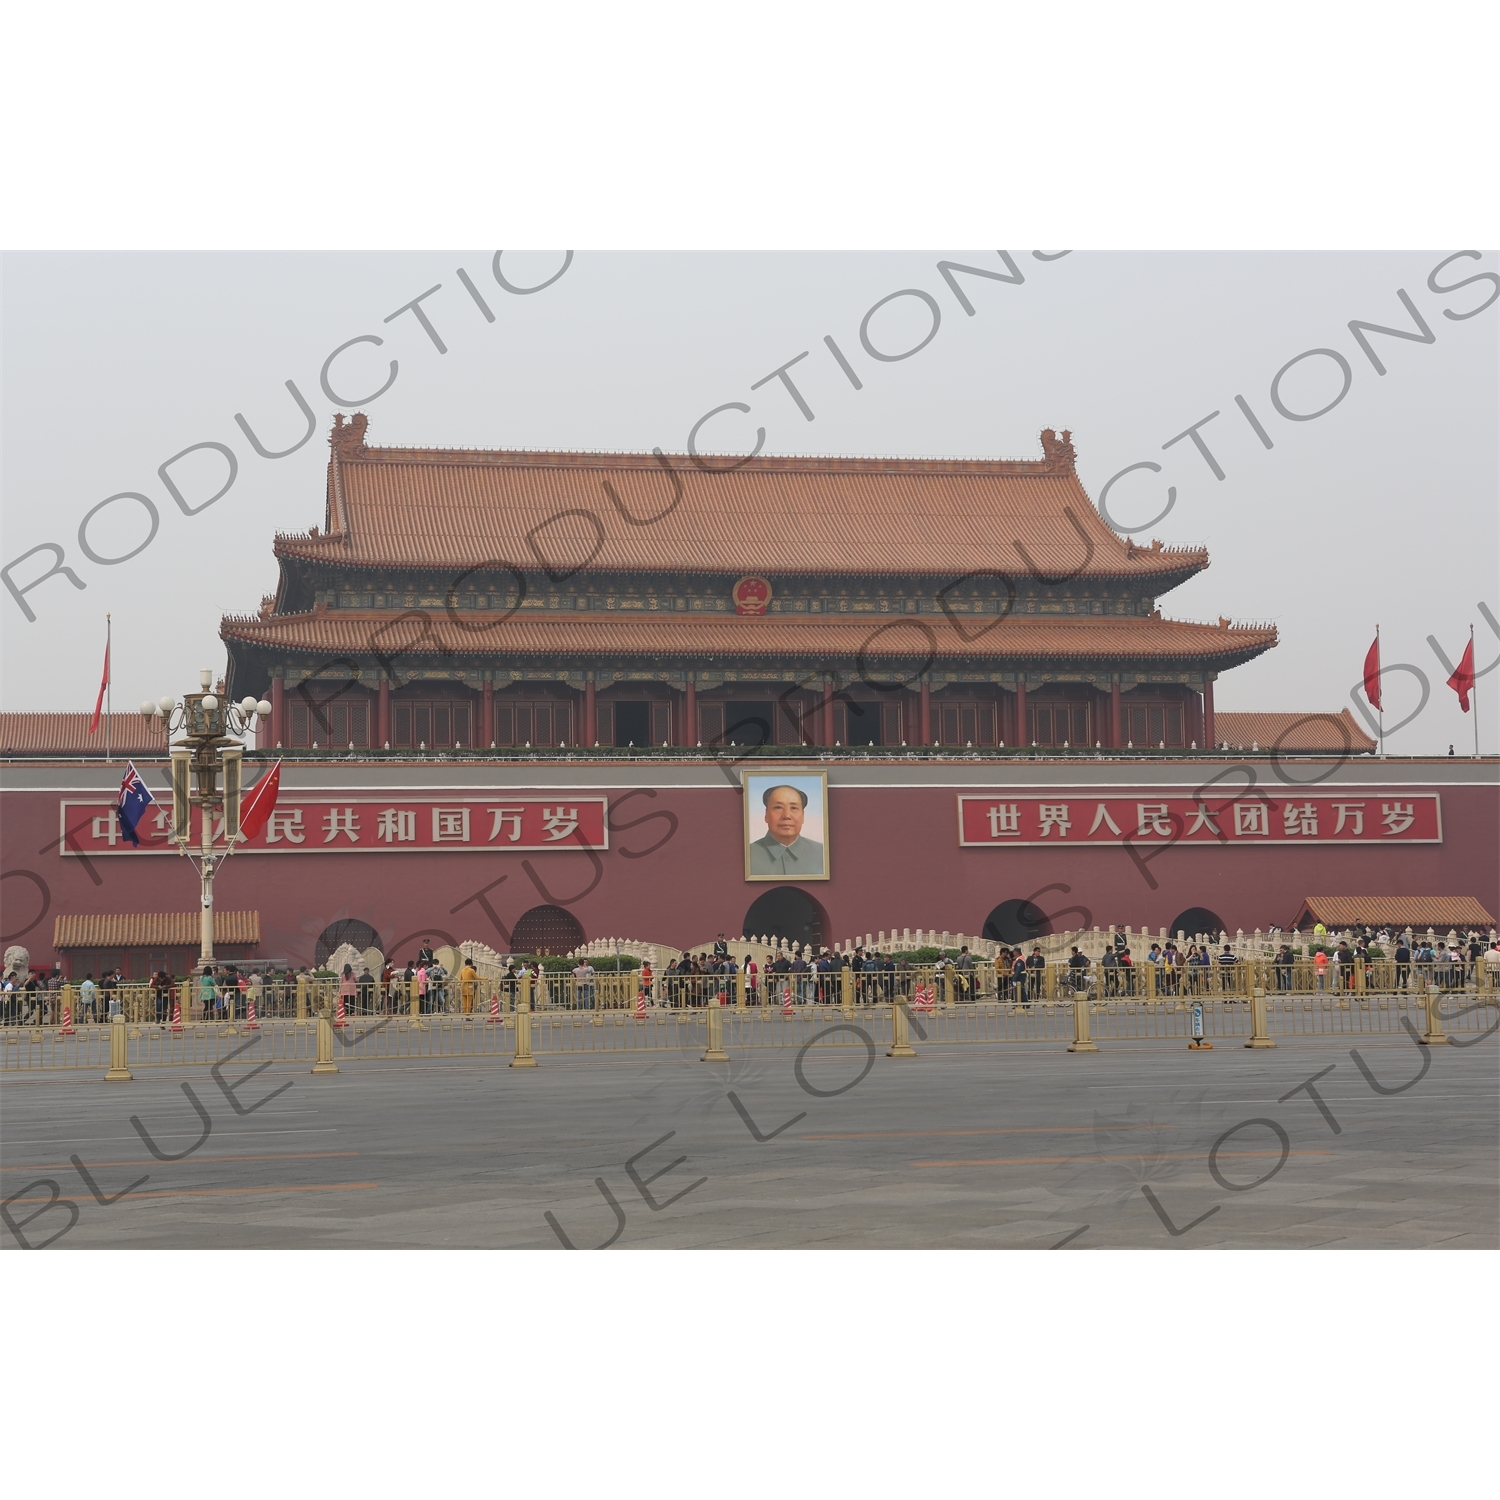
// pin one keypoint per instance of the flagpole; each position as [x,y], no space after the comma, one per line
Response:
[109,674]
[1381,709]
[1474,694]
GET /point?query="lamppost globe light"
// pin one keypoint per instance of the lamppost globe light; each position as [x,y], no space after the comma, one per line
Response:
[210,703]
[148,709]
[263,709]
[206,678]
[166,704]
[247,706]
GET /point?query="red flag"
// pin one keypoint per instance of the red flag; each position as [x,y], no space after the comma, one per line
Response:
[1372,673]
[258,805]
[1462,680]
[103,683]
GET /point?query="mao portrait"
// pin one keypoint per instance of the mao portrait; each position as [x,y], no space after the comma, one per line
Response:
[786,825]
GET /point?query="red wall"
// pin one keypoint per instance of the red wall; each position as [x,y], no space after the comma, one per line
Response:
[894,854]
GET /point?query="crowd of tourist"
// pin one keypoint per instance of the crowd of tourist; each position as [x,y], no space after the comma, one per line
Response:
[804,974]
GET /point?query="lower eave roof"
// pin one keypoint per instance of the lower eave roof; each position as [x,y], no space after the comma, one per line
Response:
[155,929]
[68,734]
[1331,734]
[1438,912]
[818,637]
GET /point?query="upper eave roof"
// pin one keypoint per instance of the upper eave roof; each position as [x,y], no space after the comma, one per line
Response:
[454,510]
[813,637]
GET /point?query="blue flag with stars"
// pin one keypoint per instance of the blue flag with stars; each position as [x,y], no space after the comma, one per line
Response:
[135,798]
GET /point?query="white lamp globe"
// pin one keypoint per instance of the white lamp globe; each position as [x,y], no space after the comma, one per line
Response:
[263,709]
[166,704]
[210,703]
[148,709]
[247,706]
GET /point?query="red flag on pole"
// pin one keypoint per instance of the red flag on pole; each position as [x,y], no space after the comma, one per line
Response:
[103,684]
[1372,672]
[1462,680]
[260,803]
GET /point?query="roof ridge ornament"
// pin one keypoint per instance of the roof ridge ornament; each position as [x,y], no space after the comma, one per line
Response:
[348,438]
[1058,455]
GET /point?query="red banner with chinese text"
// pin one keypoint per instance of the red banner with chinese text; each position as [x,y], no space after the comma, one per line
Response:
[1083,818]
[359,824]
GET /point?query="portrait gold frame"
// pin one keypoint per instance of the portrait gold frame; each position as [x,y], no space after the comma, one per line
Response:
[754,783]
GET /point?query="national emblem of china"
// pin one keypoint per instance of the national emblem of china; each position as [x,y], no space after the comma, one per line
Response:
[752,596]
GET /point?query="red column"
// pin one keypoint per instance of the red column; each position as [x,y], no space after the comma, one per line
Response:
[924,711]
[1116,739]
[1022,738]
[486,736]
[590,714]
[1209,738]
[690,713]
[278,710]
[383,714]
[828,711]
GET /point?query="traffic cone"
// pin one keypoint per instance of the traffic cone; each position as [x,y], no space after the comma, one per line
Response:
[339,1020]
[66,1029]
[921,998]
[177,1013]
[786,1001]
[640,1005]
[251,1024]
[494,1018]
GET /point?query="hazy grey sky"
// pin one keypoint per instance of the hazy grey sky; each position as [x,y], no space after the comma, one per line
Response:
[1383,509]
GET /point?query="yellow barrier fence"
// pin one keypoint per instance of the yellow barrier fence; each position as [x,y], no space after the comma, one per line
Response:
[301,997]
[1253,1001]
[689,1031]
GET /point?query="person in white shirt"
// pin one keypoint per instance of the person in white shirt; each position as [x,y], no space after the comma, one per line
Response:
[583,977]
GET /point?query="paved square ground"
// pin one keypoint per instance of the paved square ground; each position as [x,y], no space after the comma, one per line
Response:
[980,1147]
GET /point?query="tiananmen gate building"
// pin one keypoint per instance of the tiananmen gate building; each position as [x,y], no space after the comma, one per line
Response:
[562,599]
[535,699]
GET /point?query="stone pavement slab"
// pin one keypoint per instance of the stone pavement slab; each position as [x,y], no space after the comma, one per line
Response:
[980,1147]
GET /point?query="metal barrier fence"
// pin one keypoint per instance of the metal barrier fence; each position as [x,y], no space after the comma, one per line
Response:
[302,997]
[1082,1021]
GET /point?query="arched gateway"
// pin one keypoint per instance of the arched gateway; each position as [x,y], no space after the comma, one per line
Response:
[787,912]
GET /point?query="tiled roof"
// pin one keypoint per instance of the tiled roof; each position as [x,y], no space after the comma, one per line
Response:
[160,929]
[1334,733]
[816,637]
[68,734]
[452,510]
[1437,912]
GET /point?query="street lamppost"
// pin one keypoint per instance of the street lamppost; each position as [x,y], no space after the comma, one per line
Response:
[202,730]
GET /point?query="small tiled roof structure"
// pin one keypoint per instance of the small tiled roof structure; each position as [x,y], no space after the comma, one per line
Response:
[448,509]
[170,929]
[1441,913]
[68,735]
[814,636]
[1309,734]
